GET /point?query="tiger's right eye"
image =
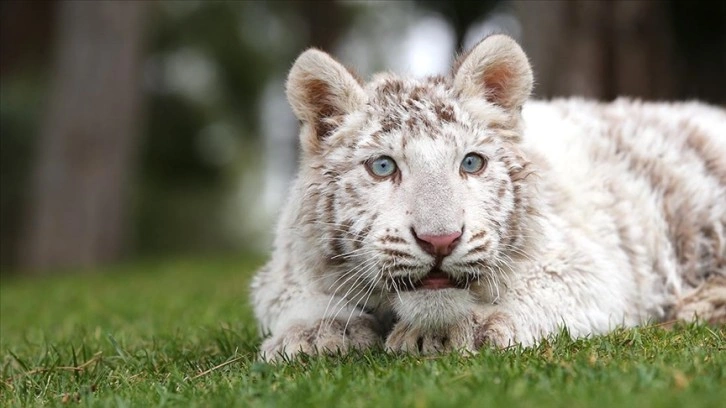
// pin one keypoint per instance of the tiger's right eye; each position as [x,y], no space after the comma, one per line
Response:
[383,166]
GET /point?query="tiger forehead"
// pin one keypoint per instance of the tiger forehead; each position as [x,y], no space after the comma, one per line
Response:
[405,104]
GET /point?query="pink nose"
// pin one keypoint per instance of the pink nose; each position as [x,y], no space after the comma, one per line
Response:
[438,245]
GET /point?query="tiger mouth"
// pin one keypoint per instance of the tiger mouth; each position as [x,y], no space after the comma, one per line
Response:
[434,280]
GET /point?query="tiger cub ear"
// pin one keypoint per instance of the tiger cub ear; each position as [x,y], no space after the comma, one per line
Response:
[320,91]
[495,69]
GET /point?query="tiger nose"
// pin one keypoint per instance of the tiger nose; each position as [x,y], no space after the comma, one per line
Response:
[438,245]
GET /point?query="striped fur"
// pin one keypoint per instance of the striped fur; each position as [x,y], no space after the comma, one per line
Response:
[587,215]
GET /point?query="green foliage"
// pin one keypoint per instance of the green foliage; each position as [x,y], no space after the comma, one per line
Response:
[181,333]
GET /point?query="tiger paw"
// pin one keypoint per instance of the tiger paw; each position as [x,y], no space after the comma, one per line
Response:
[322,337]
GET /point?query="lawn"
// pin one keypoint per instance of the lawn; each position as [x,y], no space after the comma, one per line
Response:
[181,333]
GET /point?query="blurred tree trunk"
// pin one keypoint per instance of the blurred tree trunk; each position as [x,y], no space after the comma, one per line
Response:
[77,212]
[599,49]
[461,14]
[325,20]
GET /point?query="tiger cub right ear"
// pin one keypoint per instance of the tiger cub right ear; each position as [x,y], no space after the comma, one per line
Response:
[320,91]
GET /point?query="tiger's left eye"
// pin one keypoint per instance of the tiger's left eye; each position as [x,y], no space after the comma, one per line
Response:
[473,163]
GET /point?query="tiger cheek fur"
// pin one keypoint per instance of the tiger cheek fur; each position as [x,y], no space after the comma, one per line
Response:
[446,214]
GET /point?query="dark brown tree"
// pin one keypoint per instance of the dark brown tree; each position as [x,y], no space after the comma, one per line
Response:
[79,197]
[647,49]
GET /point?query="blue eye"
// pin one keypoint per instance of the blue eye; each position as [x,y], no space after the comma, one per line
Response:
[383,166]
[473,163]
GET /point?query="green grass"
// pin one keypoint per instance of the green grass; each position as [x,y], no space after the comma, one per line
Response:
[180,333]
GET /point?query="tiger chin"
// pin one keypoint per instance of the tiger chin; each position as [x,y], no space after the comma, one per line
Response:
[452,213]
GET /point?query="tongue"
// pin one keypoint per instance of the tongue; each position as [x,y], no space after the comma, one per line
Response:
[436,280]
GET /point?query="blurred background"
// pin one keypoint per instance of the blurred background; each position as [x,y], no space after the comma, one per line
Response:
[143,129]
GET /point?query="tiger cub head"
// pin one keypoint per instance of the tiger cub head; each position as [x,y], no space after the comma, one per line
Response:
[416,191]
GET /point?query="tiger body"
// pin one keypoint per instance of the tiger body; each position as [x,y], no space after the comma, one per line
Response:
[581,214]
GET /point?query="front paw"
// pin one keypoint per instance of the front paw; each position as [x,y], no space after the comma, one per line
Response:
[407,338]
[324,336]
[496,329]
[468,336]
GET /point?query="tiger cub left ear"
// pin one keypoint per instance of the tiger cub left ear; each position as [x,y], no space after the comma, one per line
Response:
[495,69]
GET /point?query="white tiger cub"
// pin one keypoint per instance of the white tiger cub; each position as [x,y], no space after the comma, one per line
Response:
[450,213]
